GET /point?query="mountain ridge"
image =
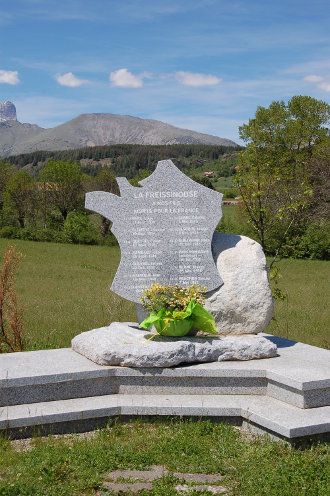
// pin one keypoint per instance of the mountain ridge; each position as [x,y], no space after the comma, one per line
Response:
[97,129]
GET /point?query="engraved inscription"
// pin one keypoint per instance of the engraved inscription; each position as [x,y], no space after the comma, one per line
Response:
[164,230]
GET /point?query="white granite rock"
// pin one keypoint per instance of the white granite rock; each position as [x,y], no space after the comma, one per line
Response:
[244,304]
[125,344]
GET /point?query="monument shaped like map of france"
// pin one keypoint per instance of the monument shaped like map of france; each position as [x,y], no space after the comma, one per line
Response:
[164,229]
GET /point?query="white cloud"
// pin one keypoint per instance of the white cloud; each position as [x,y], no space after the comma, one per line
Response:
[196,79]
[324,86]
[69,79]
[9,77]
[311,67]
[125,79]
[321,82]
[313,78]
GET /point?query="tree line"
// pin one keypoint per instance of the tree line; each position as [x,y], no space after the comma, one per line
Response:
[125,160]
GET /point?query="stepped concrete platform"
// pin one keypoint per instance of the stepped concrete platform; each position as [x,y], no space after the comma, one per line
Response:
[59,390]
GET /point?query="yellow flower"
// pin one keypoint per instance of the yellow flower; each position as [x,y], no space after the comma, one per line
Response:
[171,297]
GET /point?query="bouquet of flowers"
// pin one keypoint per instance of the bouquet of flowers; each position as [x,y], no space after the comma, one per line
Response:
[176,310]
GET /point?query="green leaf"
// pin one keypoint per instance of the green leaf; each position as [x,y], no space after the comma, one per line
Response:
[203,320]
[153,317]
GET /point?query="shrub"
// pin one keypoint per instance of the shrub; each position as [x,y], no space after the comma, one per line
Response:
[313,243]
[230,193]
[79,230]
[110,239]
[52,236]
[9,232]
[29,234]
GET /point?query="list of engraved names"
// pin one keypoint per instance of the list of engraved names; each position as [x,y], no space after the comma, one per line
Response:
[166,227]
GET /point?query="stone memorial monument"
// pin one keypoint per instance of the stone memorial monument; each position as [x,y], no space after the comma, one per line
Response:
[165,230]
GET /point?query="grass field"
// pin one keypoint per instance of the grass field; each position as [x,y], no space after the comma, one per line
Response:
[76,465]
[66,291]
[231,222]
[223,183]
[304,314]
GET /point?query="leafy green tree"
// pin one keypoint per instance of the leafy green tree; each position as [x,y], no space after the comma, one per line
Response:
[203,180]
[18,196]
[6,170]
[64,185]
[106,181]
[319,167]
[273,176]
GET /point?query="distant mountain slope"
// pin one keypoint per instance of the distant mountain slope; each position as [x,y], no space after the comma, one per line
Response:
[14,134]
[98,129]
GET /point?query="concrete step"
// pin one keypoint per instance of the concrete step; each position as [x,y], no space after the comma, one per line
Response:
[299,376]
[130,381]
[261,412]
[175,381]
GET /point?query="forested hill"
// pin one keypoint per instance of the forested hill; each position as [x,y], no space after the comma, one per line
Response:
[126,160]
[97,130]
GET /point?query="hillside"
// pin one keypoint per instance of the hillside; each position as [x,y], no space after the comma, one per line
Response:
[14,134]
[133,160]
[89,130]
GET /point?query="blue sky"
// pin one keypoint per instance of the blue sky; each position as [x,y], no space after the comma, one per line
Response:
[201,64]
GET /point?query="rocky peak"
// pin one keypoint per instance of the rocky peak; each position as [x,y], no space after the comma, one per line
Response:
[7,112]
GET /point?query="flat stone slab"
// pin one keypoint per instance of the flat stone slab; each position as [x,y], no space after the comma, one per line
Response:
[267,413]
[198,482]
[125,344]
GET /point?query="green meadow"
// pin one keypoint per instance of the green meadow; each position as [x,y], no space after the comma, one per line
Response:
[78,465]
[65,289]
[304,313]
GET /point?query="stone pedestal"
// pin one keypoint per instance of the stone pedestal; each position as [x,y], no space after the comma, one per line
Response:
[125,344]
